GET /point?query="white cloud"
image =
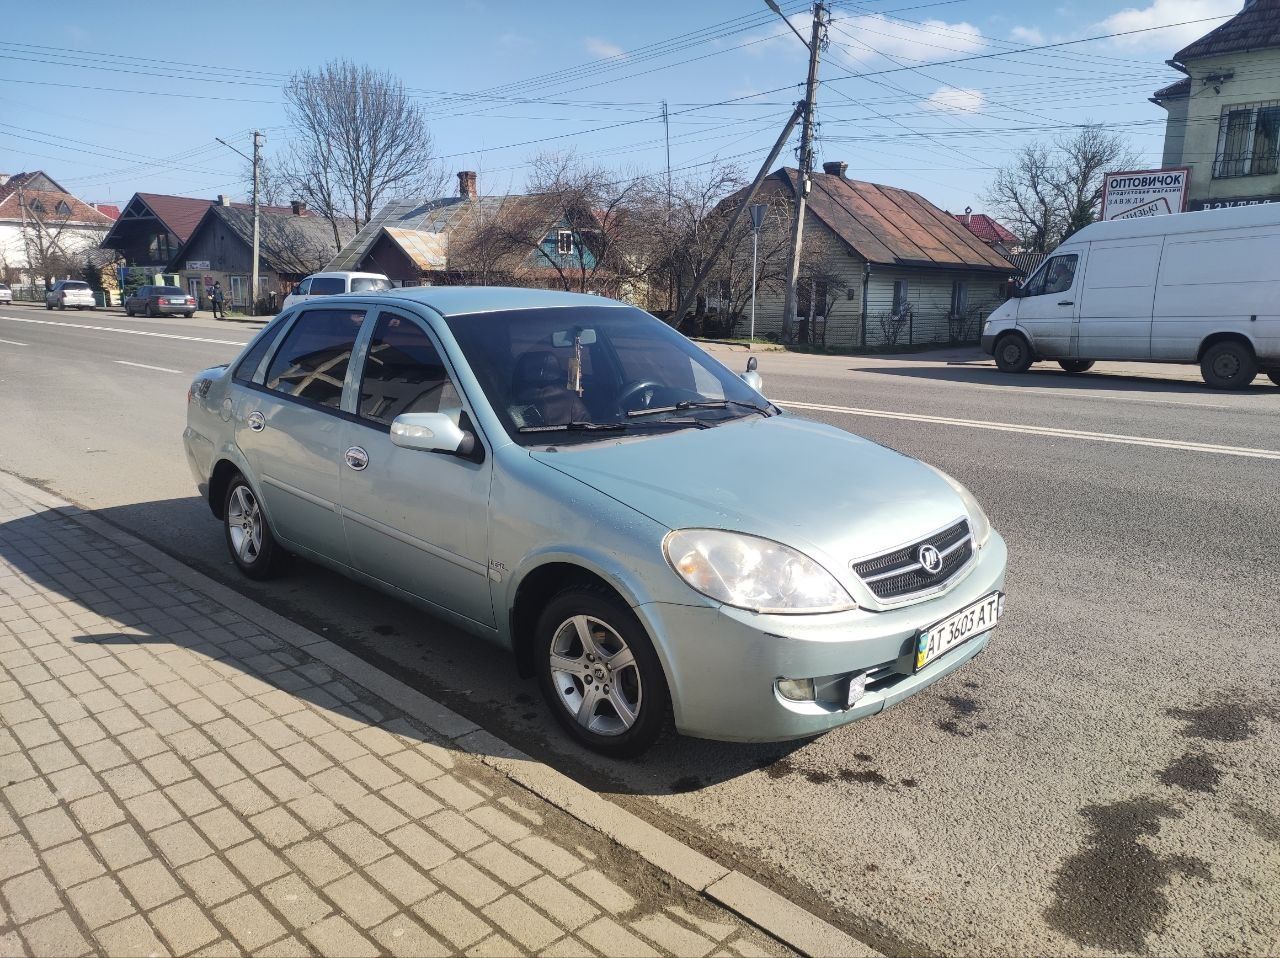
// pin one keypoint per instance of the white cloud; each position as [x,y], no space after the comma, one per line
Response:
[930,40]
[1028,35]
[602,48]
[948,99]
[1160,12]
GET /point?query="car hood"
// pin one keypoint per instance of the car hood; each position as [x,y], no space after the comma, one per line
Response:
[832,495]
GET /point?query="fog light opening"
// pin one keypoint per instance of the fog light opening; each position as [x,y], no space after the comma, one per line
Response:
[796,690]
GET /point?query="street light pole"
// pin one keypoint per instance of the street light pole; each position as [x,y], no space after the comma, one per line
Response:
[257,162]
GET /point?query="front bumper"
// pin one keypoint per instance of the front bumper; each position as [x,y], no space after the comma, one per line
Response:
[989,345]
[723,664]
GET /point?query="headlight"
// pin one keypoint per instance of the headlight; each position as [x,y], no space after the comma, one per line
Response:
[748,572]
[978,521]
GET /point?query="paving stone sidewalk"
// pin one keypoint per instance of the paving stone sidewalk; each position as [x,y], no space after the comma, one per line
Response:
[176,780]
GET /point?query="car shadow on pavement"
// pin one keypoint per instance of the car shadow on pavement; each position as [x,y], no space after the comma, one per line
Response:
[1061,380]
[147,609]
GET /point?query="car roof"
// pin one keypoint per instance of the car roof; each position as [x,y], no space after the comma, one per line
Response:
[461,300]
[346,273]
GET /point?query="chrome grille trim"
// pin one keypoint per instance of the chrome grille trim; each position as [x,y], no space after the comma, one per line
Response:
[897,576]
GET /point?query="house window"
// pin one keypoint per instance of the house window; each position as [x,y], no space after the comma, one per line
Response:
[160,249]
[1248,140]
[35,206]
[899,296]
[959,297]
[564,242]
[63,209]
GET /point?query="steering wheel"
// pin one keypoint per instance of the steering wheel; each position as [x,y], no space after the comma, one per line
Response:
[633,389]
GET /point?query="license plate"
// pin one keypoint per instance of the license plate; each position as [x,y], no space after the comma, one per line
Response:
[942,637]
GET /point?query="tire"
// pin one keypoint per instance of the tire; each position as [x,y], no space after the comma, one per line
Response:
[128,311]
[1013,353]
[48,305]
[151,313]
[188,315]
[1076,365]
[62,307]
[1229,364]
[639,685]
[253,547]
[1274,376]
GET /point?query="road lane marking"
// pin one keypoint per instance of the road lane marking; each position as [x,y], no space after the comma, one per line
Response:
[10,342]
[131,332]
[1205,447]
[159,369]
[1070,393]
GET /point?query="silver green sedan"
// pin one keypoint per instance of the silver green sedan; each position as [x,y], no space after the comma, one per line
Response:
[569,478]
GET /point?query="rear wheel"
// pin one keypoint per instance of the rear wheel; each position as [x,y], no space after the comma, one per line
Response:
[150,312]
[1229,364]
[249,538]
[1076,365]
[1013,354]
[599,672]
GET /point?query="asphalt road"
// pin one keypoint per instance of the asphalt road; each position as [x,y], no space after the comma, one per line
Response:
[1102,779]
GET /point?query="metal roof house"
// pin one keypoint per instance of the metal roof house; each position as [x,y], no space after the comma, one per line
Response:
[454,240]
[881,266]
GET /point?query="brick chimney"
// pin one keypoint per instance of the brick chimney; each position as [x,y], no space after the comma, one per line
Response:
[224,200]
[835,168]
[968,215]
[299,207]
[467,187]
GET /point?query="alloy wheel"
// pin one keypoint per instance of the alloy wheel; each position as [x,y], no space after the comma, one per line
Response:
[595,675]
[244,523]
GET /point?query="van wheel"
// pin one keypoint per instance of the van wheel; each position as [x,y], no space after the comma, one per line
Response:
[1076,365]
[252,545]
[1274,376]
[599,672]
[1013,354]
[1229,365]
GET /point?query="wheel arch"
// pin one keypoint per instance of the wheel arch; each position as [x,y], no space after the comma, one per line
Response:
[535,589]
[1223,336]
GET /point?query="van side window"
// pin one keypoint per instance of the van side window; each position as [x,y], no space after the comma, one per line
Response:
[1057,276]
[327,285]
[304,288]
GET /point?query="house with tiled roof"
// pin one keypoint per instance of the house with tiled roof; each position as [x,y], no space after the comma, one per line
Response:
[46,232]
[880,266]
[988,229]
[1224,113]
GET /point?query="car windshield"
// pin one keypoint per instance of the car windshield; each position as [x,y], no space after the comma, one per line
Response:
[369,284]
[579,373]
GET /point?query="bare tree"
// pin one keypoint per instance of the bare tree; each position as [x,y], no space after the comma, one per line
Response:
[358,141]
[1050,190]
[53,243]
[273,188]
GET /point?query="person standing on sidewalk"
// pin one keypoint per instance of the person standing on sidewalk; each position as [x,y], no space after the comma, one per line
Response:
[219,306]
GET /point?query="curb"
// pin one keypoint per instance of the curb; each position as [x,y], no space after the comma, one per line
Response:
[731,889]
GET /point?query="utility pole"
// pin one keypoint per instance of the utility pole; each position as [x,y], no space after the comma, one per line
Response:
[806,167]
[666,124]
[757,221]
[257,162]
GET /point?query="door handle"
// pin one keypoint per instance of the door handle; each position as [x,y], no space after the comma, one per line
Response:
[257,422]
[356,458]
[1066,302]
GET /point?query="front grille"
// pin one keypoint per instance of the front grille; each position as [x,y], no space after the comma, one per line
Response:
[898,574]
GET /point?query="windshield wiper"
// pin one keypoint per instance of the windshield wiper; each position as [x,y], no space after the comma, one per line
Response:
[705,404]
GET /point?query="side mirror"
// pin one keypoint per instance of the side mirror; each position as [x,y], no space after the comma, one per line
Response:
[752,364]
[431,432]
[751,377]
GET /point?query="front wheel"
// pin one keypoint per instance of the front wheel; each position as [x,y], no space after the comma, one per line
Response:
[1076,365]
[599,673]
[1229,365]
[249,538]
[1013,354]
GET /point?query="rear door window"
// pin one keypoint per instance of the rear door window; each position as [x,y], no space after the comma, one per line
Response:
[403,372]
[328,285]
[311,363]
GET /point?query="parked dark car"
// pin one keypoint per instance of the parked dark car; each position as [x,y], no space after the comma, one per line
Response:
[159,301]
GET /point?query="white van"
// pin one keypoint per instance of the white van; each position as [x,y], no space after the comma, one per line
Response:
[331,284]
[1182,288]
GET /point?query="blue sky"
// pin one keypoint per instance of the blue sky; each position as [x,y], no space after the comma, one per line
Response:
[113,99]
